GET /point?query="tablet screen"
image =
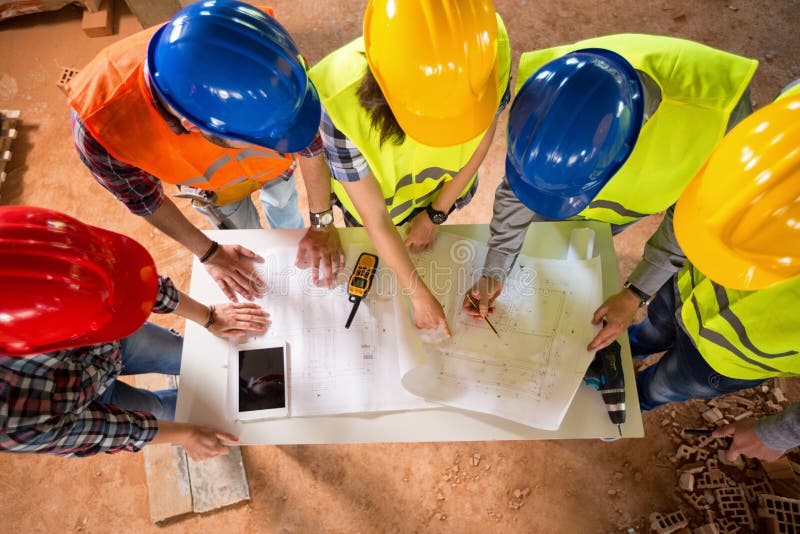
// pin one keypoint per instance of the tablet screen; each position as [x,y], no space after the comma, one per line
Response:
[261,379]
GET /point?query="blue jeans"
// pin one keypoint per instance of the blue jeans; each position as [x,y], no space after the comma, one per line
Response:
[151,349]
[279,200]
[682,373]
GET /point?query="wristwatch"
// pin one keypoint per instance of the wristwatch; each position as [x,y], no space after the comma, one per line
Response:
[322,219]
[436,217]
[643,297]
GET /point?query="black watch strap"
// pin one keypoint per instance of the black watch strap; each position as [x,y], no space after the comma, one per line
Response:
[643,297]
[436,216]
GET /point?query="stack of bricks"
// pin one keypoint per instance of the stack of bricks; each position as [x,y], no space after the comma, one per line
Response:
[732,497]
[8,132]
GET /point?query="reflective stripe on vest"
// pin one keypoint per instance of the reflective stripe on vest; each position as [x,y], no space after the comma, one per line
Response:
[112,99]
[409,175]
[700,87]
[742,334]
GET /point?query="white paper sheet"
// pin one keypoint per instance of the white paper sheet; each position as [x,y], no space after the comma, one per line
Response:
[528,374]
[332,370]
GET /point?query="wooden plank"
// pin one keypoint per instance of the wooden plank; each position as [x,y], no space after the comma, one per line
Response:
[92,5]
[218,482]
[101,22]
[152,12]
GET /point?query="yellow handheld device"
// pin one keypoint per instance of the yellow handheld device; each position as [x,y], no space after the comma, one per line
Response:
[361,281]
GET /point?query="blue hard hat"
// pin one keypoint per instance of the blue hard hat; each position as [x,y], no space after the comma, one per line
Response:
[572,125]
[232,70]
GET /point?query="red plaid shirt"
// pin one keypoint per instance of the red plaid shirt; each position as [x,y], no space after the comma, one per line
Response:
[48,402]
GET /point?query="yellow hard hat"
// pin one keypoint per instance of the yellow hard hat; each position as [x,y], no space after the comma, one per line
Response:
[436,63]
[738,221]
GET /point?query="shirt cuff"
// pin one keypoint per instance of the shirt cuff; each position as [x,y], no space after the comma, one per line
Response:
[649,278]
[497,265]
[782,431]
[167,297]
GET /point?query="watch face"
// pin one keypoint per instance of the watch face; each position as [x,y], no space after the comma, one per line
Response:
[438,217]
[326,218]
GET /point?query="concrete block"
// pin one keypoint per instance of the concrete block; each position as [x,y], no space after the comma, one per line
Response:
[168,489]
[218,482]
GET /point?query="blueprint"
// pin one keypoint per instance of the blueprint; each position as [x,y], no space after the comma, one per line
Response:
[531,371]
[529,374]
[331,369]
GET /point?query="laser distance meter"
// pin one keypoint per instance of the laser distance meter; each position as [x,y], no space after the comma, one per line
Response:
[361,281]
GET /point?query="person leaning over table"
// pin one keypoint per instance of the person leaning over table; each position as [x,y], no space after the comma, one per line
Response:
[728,320]
[409,114]
[610,129]
[217,102]
[72,320]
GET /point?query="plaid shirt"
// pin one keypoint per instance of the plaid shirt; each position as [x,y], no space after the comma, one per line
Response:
[140,191]
[48,402]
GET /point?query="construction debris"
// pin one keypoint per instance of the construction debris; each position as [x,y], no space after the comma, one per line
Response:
[726,497]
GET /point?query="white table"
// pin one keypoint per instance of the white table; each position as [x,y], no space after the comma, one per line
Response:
[202,393]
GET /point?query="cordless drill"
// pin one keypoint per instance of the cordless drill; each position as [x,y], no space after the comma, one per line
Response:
[605,375]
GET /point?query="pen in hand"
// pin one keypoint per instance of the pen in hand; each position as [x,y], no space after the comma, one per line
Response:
[476,305]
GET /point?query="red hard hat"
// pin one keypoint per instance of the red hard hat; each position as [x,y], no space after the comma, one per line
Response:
[65,284]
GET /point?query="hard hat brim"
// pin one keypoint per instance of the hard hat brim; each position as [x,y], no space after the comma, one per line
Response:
[550,206]
[301,132]
[704,248]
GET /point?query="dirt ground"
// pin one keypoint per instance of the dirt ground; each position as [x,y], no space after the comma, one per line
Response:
[574,486]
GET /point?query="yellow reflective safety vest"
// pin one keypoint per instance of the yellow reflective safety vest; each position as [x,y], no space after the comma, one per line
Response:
[789,92]
[700,87]
[742,334]
[112,99]
[410,175]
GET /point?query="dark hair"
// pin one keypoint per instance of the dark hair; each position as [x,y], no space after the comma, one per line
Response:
[371,98]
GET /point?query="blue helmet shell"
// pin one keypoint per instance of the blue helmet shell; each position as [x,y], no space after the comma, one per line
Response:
[572,125]
[233,71]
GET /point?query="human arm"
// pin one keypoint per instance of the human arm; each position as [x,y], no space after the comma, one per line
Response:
[509,225]
[368,200]
[320,248]
[422,231]
[223,320]
[199,442]
[231,266]
[662,258]
[766,438]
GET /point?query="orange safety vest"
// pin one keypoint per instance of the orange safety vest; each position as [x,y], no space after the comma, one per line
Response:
[111,97]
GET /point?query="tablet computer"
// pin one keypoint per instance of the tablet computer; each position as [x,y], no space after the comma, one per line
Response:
[258,384]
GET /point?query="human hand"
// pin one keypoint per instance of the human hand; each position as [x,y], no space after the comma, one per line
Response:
[485,291]
[321,246]
[428,312]
[421,233]
[231,266]
[616,313]
[239,319]
[745,441]
[202,443]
